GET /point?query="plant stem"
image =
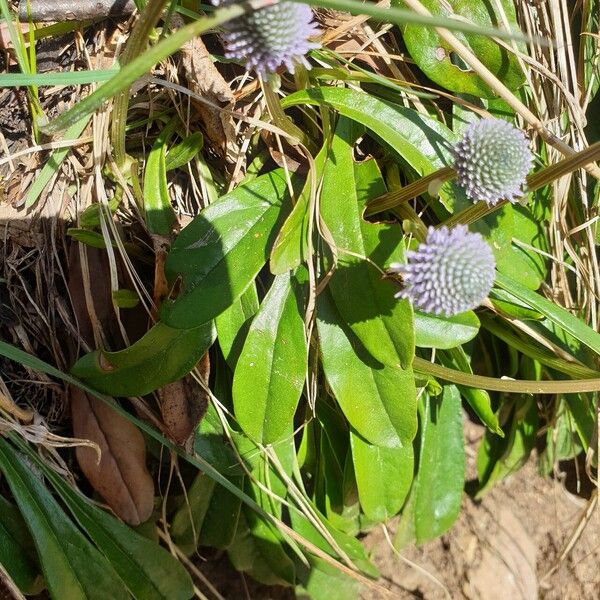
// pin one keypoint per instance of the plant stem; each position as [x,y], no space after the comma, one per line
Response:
[513,386]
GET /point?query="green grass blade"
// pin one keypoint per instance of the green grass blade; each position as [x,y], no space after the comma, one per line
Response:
[53,163]
[41,79]
[564,319]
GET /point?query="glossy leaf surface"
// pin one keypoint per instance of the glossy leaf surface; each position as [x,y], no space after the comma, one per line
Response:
[271,369]
[221,251]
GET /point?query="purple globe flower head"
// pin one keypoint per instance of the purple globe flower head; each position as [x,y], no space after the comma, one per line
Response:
[270,37]
[451,272]
[492,161]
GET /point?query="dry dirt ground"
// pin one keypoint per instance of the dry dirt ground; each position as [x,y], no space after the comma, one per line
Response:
[501,548]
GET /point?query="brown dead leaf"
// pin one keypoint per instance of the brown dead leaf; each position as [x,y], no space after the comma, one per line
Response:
[205,80]
[121,476]
[184,402]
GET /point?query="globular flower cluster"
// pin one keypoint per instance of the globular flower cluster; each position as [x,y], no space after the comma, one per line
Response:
[451,272]
[492,161]
[270,37]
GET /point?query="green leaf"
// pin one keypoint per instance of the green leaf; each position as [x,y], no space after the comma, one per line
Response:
[367,391]
[221,518]
[72,566]
[233,324]
[17,551]
[383,476]
[271,369]
[94,239]
[134,372]
[125,298]
[437,490]
[558,315]
[181,154]
[291,246]
[441,471]
[335,491]
[211,444]
[432,331]
[259,553]
[438,61]
[149,571]
[322,581]
[187,521]
[479,400]
[160,216]
[222,250]
[419,139]
[53,163]
[499,457]
[349,544]
[363,297]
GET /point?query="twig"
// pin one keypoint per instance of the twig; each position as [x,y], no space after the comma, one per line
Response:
[67,10]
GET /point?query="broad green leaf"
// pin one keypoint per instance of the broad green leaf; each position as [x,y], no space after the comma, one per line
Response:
[271,369]
[383,476]
[233,324]
[208,515]
[513,307]
[349,544]
[221,518]
[222,250]
[261,557]
[187,521]
[148,571]
[212,445]
[432,331]
[72,566]
[583,412]
[335,491]
[378,400]
[438,61]
[363,297]
[181,154]
[499,457]
[438,487]
[291,246]
[419,139]
[17,551]
[134,371]
[265,540]
[322,581]
[160,216]
[479,400]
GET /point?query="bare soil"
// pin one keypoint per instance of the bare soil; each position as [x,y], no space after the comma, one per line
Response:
[502,548]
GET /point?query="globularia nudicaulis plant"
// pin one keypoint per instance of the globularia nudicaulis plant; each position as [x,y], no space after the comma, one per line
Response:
[451,272]
[492,161]
[295,294]
[273,37]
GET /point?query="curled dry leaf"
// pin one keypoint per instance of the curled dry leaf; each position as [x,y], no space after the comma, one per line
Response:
[121,476]
[184,402]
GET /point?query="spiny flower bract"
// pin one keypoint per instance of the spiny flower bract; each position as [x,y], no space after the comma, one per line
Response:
[270,37]
[451,272]
[492,161]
